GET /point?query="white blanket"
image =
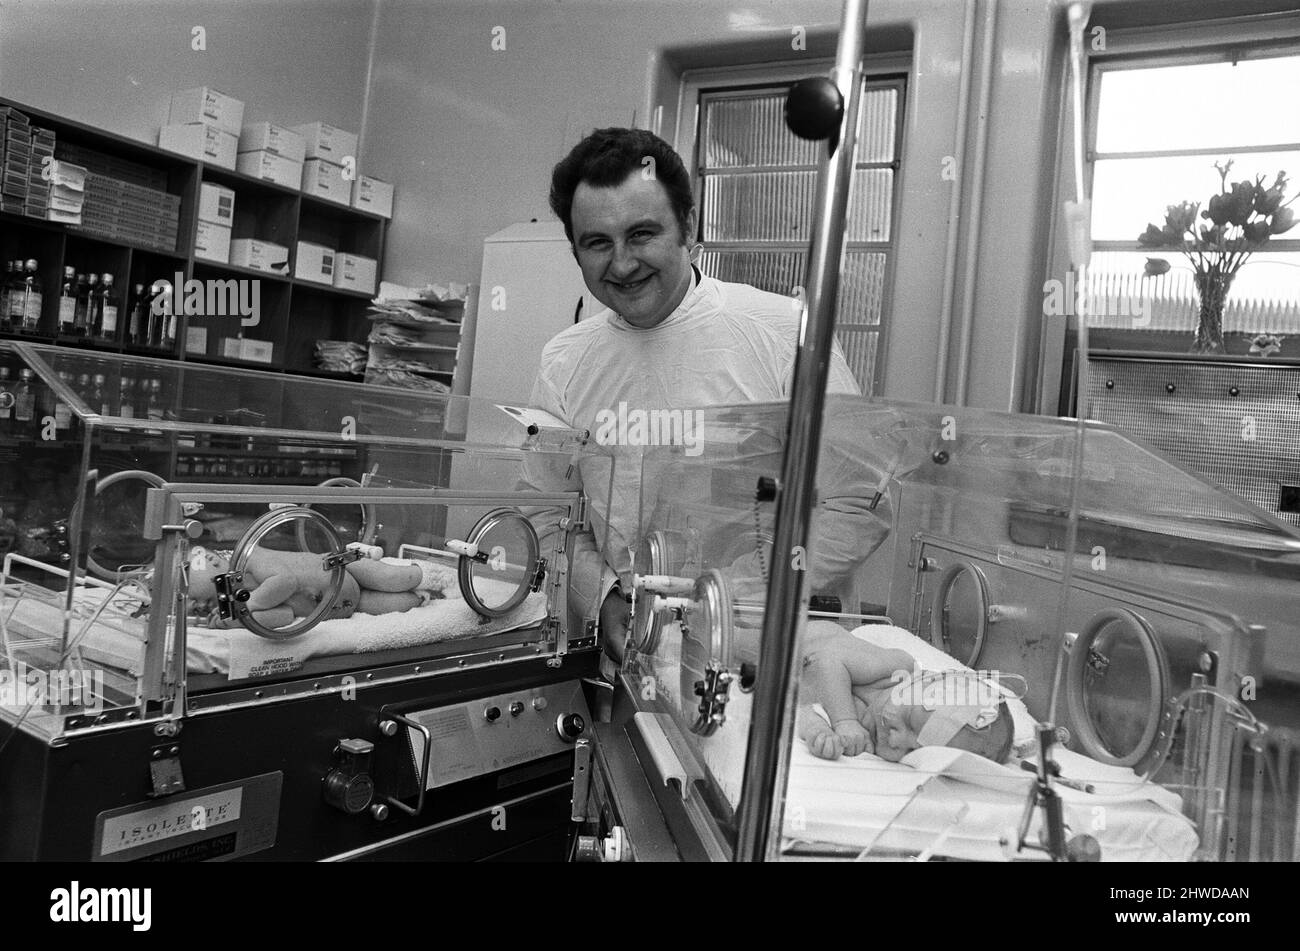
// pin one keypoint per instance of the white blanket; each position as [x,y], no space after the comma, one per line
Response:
[967,804]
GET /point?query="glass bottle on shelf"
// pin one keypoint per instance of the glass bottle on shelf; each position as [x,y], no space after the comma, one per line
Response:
[98,398]
[137,332]
[108,309]
[62,411]
[7,397]
[68,301]
[94,306]
[157,315]
[155,406]
[81,310]
[25,403]
[6,290]
[126,396]
[32,297]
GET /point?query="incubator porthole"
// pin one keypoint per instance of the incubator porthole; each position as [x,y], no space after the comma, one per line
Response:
[961,612]
[660,553]
[708,634]
[500,577]
[115,543]
[354,523]
[291,542]
[1116,684]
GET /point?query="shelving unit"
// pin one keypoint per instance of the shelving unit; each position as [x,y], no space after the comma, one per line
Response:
[293,313]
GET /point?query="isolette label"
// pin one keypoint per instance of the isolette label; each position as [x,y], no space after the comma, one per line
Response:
[220,821]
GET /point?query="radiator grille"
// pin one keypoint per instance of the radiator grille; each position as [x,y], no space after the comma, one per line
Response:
[1237,425]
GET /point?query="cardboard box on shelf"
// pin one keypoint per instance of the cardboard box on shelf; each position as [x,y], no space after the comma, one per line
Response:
[325,180]
[272,167]
[269,137]
[370,194]
[207,105]
[241,348]
[196,340]
[259,255]
[207,143]
[212,242]
[314,262]
[216,204]
[355,273]
[327,142]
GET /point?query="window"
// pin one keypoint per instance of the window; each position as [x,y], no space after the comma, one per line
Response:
[1159,126]
[757,185]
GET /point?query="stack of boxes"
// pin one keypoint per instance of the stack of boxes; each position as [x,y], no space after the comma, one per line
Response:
[123,211]
[216,217]
[331,162]
[271,152]
[67,193]
[15,160]
[26,157]
[204,124]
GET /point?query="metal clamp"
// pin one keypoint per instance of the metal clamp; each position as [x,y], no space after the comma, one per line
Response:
[336,559]
[714,692]
[539,575]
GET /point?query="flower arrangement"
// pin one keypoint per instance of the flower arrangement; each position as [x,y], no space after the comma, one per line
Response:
[1235,223]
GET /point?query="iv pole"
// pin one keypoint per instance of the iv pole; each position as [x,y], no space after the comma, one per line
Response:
[817,109]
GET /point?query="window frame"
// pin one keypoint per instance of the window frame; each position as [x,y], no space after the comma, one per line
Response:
[1251,36]
[885,70]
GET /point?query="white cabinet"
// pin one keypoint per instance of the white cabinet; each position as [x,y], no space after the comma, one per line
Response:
[529,292]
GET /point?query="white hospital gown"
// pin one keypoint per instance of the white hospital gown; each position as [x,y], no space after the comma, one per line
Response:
[724,344]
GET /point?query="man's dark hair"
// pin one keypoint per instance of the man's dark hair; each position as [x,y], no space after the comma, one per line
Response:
[607,157]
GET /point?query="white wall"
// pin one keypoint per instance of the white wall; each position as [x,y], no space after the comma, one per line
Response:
[115,63]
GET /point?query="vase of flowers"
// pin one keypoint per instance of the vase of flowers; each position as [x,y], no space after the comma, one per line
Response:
[1218,241]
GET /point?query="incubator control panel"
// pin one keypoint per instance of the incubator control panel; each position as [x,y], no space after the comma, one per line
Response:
[497,732]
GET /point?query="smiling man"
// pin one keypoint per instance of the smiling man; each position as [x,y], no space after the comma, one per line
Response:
[670,338]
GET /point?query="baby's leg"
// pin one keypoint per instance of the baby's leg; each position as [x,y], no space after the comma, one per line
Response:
[378,576]
[383,602]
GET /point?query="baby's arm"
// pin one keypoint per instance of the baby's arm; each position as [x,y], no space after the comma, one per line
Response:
[812,729]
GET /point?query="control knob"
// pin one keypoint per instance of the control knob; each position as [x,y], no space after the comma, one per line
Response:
[570,726]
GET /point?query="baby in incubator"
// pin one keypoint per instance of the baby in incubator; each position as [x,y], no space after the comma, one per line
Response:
[876,701]
[286,586]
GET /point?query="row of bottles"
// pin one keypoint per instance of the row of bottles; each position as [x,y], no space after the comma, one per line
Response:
[265,468]
[27,403]
[88,307]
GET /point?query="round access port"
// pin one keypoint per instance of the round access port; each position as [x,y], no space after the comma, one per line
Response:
[116,546]
[1116,684]
[660,553]
[961,612]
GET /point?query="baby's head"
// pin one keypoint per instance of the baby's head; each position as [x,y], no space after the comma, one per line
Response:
[944,718]
[204,565]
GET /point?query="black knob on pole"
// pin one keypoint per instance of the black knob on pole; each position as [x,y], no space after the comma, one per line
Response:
[814,108]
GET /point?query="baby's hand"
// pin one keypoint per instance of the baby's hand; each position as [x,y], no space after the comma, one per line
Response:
[825,744]
[853,737]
